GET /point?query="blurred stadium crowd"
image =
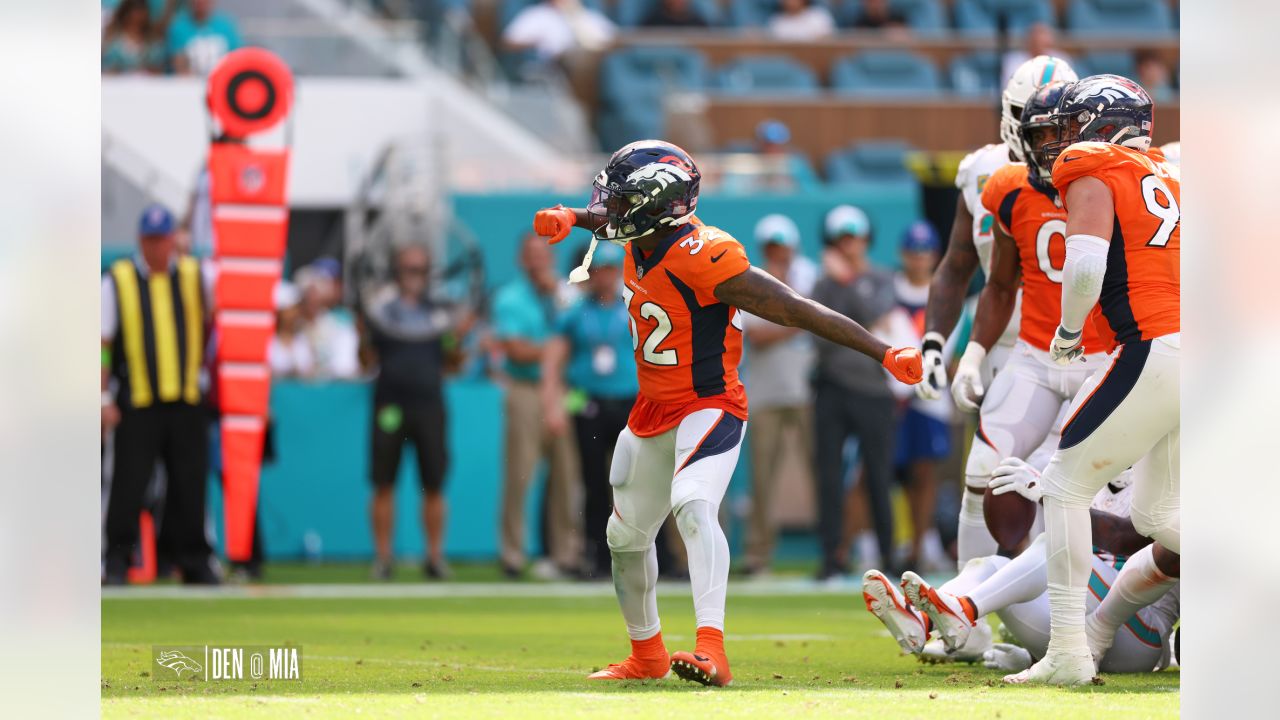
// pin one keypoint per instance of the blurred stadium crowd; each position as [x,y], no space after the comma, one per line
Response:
[832,448]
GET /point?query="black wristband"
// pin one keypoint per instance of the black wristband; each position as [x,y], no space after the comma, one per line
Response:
[930,344]
[1067,334]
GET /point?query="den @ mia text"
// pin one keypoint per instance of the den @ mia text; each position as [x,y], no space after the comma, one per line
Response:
[210,662]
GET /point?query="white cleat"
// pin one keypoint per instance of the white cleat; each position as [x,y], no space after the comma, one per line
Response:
[890,607]
[1056,668]
[944,610]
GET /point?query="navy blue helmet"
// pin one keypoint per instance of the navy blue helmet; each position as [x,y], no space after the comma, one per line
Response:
[1104,108]
[646,185]
[1038,130]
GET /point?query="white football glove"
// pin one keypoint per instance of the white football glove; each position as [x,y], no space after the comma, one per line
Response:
[935,372]
[1007,658]
[1015,475]
[1066,346]
[967,387]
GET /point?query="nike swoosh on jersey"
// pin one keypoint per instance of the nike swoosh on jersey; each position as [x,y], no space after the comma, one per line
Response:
[717,257]
[1070,159]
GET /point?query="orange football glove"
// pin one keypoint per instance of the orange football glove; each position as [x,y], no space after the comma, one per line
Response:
[554,223]
[905,364]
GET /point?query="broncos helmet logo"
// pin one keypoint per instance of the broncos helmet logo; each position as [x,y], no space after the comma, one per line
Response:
[1111,109]
[179,663]
[653,178]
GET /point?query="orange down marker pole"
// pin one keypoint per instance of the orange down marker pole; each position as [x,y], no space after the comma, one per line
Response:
[249,93]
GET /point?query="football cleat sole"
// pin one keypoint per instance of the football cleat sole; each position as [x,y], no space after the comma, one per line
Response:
[890,607]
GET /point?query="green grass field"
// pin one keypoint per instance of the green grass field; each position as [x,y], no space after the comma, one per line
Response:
[504,651]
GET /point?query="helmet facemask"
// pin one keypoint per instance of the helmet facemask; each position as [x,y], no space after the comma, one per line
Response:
[1009,118]
[1041,141]
[621,213]
[639,209]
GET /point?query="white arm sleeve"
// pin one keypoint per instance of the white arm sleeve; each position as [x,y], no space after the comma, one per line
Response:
[108,308]
[1082,275]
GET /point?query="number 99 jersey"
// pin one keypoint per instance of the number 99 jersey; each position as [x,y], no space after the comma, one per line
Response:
[1038,226]
[1141,290]
[687,342]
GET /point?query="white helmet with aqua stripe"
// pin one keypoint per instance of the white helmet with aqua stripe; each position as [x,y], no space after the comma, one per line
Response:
[1027,79]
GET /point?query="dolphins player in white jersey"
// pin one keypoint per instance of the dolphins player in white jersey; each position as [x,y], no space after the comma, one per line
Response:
[1138,629]
[969,250]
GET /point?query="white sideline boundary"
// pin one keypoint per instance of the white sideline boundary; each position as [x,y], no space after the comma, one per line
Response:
[357,591]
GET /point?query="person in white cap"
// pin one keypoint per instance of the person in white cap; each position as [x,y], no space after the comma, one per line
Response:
[852,397]
[778,362]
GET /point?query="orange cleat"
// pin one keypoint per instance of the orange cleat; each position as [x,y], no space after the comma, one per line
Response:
[707,664]
[648,661]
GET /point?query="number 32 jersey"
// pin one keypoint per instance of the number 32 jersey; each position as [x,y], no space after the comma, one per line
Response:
[1038,226]
[1141,290]
[687,342]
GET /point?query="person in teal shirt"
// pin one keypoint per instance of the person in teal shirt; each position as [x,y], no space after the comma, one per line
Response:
[593,350]
[199,36]
[130,42]
[524,316]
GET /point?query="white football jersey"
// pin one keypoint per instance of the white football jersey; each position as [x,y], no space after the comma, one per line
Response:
[971,177]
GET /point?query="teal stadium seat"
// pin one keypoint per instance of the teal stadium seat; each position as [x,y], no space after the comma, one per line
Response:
[978,17]
[633,82]
[885,72]
[766,75]
[1119,17]
[975,73]
[630,13]
[876,161]
[1115,62]
[924,17]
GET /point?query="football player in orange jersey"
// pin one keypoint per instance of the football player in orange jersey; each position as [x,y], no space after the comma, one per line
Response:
[969,251]
[684,285]
[1027,401]
[1122,273]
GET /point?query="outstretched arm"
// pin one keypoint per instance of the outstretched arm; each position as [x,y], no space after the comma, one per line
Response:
[759,293]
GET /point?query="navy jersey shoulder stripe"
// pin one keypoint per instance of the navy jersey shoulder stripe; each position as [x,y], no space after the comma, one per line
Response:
[645,264]
[710,322]
[1006,208]
[1114,298]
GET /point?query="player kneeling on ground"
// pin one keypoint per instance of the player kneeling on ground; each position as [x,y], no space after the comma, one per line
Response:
[1133,605]
[685,283]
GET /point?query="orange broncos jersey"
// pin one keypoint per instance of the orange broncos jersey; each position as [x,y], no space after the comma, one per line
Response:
[1039,229]
[1141,291]
[687,342]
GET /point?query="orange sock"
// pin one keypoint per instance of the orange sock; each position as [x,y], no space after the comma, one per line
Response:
[650,649]
[970,610]
[710,642]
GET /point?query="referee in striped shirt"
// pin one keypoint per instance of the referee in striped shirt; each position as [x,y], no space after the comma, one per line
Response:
[153,346]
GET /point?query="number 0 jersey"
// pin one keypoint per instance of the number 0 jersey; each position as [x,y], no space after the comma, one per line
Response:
[1141,290]
[1038,226]
[687,343]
